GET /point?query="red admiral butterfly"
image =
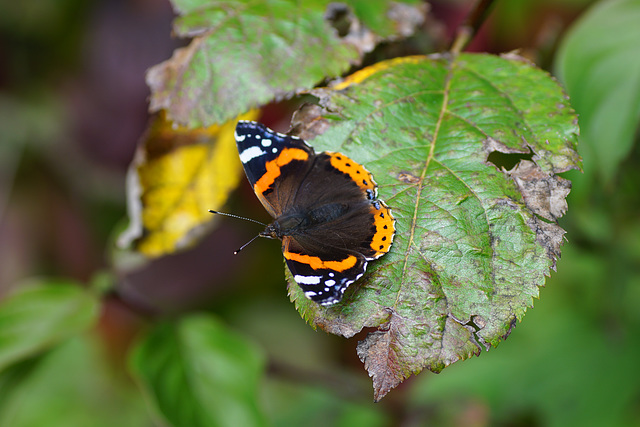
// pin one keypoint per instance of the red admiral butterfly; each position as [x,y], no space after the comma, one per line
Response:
[325,209]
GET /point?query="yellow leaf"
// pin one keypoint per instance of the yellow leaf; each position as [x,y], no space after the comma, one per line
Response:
[363,74]
[178,174]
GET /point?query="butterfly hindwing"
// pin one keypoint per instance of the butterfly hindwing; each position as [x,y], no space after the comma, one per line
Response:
[353,219]
[322,277]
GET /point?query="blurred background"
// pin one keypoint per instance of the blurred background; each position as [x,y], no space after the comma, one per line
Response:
[73,105]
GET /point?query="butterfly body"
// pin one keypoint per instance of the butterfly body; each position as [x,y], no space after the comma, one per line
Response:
[325,209]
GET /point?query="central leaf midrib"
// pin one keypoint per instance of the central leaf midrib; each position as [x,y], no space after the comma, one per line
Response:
[434,138]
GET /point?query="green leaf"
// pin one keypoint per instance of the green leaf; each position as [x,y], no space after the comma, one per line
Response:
[473,241]
[304,403]
[561,367]
[199,373]
[42,314]
[73,385]
[248,53]
[599,61]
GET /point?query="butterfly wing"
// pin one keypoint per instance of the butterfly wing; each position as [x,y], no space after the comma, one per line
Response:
[343,193]
[323,275]
[345,226]
[274,163]
[352,228]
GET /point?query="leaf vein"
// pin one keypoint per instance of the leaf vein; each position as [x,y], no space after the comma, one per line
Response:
[434,138]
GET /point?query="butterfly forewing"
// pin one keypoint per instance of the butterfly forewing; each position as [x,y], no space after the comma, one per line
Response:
[273,162]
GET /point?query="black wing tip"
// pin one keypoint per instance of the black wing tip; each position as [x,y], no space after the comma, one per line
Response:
[245,126]
[249,124]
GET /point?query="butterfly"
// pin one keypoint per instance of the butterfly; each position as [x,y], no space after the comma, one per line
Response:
[325,209]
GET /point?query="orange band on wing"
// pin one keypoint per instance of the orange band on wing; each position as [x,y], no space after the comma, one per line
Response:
[286,156]
[356,171]
[317,263]
[385,229]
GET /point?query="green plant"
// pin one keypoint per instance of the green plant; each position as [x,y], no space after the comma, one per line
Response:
[465,147]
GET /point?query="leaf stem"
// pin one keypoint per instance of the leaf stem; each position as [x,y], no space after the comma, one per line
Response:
[468,29]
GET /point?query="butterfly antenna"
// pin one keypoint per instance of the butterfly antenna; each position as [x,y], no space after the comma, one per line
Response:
[245,245]
[238,217]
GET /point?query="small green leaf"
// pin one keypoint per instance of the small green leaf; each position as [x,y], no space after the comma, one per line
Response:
[599,61]
[42,314]
[473,241]
[72,385]
[199,373]
[248,53]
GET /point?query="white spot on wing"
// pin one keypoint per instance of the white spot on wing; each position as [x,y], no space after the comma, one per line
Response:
[251,153]
[330,282]
[307,280]
[266,142]
[239,138]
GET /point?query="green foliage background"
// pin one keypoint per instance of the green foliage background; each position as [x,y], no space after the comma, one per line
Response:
[573,361]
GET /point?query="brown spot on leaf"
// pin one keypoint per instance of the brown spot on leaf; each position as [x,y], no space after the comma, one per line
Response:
[408,178]
[406,19]
[545,194]
[163,93]
[549,236]
[307,122]
[340,18]
[378,353]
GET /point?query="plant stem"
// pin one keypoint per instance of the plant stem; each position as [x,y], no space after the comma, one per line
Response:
[467,30]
